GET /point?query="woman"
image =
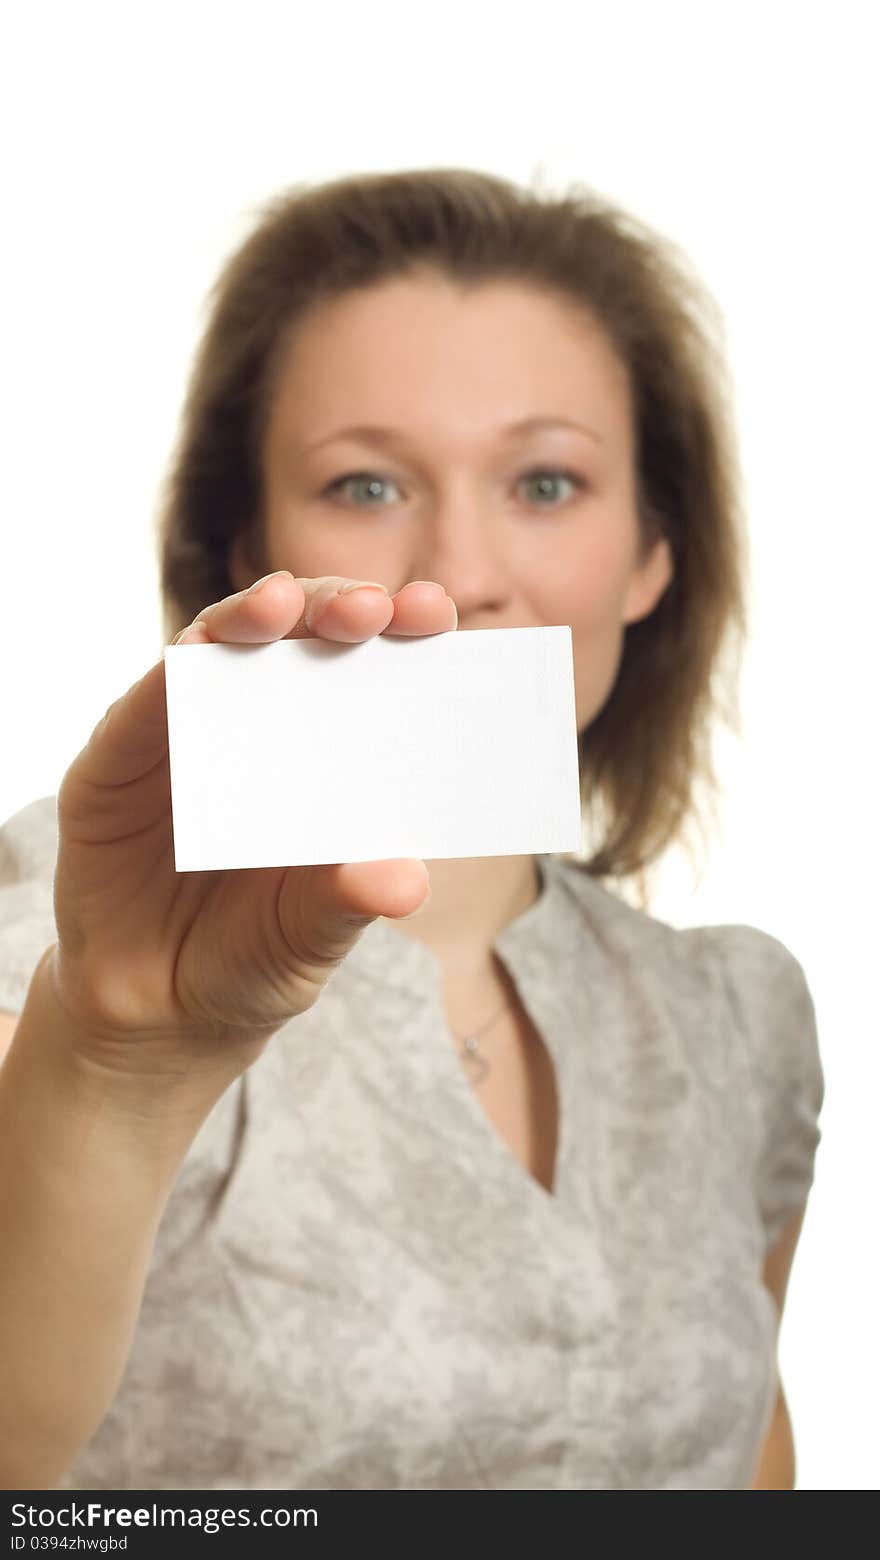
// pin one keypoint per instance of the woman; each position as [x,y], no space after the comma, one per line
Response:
[320,1180]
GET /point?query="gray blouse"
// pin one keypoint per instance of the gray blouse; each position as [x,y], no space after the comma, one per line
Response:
[357,1286]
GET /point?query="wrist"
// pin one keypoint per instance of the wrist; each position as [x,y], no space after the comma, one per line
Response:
[165,1088]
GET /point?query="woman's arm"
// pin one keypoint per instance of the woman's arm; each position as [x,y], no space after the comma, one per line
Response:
[776,1465]
[776,1469]
[87,1163]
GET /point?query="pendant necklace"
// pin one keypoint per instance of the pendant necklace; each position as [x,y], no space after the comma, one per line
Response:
[469,1049]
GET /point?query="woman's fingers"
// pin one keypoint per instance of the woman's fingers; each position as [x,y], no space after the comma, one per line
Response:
[328,607]
[423,607]
[264,612]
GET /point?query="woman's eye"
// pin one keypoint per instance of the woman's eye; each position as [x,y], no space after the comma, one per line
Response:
[370,478]
[544,476]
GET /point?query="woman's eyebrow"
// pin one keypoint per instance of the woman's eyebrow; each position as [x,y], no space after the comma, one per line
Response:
[386,438]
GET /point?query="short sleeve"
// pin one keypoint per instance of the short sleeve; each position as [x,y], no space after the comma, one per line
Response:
[28,854]
[774,1018]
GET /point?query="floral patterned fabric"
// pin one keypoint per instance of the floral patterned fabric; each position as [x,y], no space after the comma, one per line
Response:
[356,1285]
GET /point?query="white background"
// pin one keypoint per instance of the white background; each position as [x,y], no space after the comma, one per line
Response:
[137,144]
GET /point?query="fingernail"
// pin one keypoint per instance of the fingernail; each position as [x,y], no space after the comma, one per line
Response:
[437,590]
[345,590]
[276,575]
[191,634]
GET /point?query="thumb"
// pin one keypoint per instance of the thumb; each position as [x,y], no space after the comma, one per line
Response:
[324,909]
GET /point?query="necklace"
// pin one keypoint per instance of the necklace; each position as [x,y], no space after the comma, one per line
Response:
[469,1048]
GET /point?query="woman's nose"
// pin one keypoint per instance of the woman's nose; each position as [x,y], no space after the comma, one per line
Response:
[462,550]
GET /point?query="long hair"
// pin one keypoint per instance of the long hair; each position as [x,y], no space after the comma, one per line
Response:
[646,761]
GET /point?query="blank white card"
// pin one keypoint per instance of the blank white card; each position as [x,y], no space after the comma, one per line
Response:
[305,751]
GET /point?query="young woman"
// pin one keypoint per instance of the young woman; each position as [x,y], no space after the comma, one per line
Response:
[312,1179]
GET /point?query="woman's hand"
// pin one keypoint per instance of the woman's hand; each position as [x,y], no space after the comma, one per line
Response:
[160,971]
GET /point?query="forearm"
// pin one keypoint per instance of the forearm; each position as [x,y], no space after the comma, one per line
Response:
[776,1466]
[87,1164]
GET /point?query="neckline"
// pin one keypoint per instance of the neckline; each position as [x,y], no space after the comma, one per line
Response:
[384,957]
[547,934]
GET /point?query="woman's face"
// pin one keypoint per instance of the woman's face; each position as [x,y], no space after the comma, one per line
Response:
[523,528]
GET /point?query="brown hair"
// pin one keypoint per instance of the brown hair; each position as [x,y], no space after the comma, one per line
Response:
[644,755]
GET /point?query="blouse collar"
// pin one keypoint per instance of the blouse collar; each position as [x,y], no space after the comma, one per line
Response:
[546,930]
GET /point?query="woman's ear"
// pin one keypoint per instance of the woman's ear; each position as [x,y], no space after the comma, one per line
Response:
[649,580]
